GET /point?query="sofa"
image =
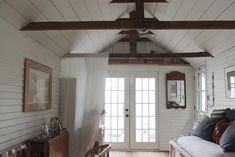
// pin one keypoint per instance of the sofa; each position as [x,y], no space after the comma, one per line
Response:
[203,145]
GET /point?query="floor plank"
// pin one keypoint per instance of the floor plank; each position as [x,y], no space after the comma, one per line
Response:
[138,154]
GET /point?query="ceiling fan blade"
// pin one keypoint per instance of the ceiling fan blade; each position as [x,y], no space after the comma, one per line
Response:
[129,24]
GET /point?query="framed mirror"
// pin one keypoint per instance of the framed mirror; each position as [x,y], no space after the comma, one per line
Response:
[175,90]
[230,82]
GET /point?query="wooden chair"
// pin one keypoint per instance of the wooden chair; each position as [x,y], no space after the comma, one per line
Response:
[99,151]
[19,150]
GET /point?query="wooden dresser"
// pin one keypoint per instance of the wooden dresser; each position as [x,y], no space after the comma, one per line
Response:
[55,146]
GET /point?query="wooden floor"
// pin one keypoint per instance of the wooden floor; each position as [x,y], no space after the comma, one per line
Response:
[138,154]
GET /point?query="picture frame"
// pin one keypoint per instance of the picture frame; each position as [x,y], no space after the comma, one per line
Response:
[229,73]
[37,86]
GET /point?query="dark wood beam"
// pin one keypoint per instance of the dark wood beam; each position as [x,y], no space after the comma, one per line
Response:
[139,11]
[127,32]
[125,39]
[138,61]
[145,19]
[160,55]
[79,25]
[133,44]
[128,24]
[133,1]
[123,32]
[148,61]
[133,37]
[182,25]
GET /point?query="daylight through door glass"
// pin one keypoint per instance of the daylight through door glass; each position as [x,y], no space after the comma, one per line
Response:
[114,107]
[145,94]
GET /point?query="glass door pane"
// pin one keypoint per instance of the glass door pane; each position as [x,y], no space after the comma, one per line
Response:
[145,94]
[114,107]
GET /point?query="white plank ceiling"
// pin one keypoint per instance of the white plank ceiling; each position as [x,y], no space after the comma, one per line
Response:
[20,12]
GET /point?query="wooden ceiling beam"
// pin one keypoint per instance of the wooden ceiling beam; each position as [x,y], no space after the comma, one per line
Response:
[125,39]
[148,61]
[139,11]
[79,25]
[133,36]
[145,19]
[128,24]
[160,55]
[189,25]
[134,1]
[127,32]
[139,61]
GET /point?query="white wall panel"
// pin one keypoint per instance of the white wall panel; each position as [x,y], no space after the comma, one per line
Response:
[15,125]
[217,65]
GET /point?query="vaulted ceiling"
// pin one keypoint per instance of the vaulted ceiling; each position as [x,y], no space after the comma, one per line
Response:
[19,13]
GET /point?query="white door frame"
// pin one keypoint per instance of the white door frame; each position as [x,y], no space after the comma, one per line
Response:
[133,144]
[129,75]
[126,143]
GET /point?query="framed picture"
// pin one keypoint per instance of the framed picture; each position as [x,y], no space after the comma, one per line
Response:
[37,86]
[230,82]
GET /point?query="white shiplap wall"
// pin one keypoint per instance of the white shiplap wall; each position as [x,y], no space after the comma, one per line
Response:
[15,46]
[171,122]
[217,65]
[175,122]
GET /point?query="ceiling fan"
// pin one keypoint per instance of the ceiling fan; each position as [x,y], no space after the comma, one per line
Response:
[135,24]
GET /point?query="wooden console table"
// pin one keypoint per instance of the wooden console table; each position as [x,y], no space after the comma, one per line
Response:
[55,146]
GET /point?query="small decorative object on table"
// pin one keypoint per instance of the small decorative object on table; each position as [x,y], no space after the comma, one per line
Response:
[55,126]
[44,131]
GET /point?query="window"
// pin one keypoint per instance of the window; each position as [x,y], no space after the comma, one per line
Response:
[201,90]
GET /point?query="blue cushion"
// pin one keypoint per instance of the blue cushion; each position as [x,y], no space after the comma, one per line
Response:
[230,114]
[206,128]
[227,141]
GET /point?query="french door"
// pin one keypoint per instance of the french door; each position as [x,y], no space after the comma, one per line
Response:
[130,105]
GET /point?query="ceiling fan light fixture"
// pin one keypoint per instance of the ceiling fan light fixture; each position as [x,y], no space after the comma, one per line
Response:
[143,33]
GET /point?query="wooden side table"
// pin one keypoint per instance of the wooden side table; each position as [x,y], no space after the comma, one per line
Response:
[54,146]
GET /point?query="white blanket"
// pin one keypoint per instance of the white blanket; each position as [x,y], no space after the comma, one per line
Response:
[198,147]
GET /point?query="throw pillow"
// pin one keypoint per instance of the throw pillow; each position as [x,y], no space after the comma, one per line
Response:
[227,141]
[220,127]
[206,128]
[219,113]
[230,114]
